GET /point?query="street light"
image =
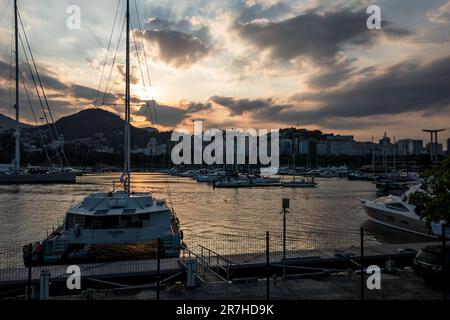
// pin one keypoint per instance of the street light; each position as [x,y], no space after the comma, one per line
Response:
[285,207]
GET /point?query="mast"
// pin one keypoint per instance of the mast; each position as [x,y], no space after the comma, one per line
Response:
[16,106]
[127,166]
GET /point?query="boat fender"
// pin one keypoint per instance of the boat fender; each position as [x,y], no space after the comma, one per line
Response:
[181,235]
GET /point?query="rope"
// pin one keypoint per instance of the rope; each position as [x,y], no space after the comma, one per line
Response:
[58,137]
[37,124]
[155,118]
[37,91]
[107,53]
[113,62]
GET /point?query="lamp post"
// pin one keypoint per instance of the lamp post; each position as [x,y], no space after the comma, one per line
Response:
[285,206]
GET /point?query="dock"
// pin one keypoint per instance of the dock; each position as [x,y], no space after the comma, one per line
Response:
[213,267]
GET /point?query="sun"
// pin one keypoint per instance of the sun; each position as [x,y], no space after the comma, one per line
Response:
[145,93]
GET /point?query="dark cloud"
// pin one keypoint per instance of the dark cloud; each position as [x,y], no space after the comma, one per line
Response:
[241,106]
[199,31]
[181,43]
[83,92]
[166,115]
[333,75]
[62,98]
[194,107]
[133,78]
[316,36]
[176,48]
[406,87]
[170,116]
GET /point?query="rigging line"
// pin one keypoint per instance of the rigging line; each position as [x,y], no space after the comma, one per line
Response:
[113,62]
[43,91]
[11,75]
[88,152]
[107,53]
[38,93]
[146,61]
[155,118]
[139,63]
[37,124]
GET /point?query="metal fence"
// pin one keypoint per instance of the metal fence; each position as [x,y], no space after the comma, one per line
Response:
[298,266]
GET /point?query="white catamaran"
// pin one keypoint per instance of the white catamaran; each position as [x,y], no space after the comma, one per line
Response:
[118,219]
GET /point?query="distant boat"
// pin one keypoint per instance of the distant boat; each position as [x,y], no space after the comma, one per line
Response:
[14,174]
[301,183]
[242,181]
[396,212]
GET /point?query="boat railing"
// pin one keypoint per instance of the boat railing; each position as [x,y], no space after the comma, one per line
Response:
[56,228]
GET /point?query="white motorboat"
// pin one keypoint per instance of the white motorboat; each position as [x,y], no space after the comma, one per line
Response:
[243,181]
[211,177]
[301,183]
[396,212]
[117,219]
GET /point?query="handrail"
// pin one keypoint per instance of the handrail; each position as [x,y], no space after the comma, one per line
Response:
[206,264]
[218,255]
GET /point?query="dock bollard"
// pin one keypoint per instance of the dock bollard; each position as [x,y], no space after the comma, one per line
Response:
[44,285]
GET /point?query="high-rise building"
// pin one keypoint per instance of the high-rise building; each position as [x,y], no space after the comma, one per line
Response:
[438,148]
[448,146]
[409,147]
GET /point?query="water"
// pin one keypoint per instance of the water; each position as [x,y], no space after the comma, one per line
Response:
[28,211]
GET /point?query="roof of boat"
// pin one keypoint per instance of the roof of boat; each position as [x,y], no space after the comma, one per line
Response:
[118,203]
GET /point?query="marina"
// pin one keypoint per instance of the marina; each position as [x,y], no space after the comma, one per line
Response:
[105,194]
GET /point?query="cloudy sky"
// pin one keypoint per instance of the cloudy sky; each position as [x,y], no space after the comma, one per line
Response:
[244,63]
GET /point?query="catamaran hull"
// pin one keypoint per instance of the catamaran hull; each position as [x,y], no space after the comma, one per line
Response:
[90,253]
[63,177]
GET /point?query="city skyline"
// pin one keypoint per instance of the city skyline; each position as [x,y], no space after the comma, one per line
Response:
[251,64]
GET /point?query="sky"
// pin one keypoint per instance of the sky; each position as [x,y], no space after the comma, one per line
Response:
[242,63]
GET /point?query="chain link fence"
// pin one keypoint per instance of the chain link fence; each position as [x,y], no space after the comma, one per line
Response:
[298,266]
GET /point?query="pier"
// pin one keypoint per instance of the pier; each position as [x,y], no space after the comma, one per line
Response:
[245,269]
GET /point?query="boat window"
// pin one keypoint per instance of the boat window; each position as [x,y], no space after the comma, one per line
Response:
[108,222]
[397,206]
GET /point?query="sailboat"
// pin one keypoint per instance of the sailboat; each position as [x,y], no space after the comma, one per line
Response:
[14,174]
[117,220]
[299,183]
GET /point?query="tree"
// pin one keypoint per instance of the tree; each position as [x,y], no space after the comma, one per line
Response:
[432,201]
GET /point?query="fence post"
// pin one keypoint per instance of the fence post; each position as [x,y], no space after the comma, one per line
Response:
[444,260]
[158,270]
[267,266]
[30,261]
[362,264]
[44,285]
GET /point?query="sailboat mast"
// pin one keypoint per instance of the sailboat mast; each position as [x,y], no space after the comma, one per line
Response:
[127,166]
[16,106]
